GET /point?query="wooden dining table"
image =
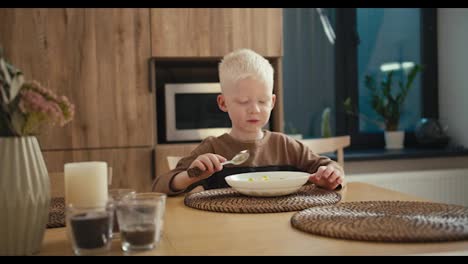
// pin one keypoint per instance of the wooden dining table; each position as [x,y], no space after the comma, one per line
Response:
[193,232]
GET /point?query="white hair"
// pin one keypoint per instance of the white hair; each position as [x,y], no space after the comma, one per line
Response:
[244,63]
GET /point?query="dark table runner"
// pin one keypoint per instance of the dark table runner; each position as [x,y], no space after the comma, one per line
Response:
[56,212]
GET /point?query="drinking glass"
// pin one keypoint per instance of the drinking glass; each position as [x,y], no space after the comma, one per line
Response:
[115,195]
[90,228]
[141,220]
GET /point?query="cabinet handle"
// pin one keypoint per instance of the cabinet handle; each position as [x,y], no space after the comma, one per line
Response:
[151,73]
[153,164]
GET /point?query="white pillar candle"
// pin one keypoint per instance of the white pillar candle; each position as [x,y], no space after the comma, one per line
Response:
[86,183]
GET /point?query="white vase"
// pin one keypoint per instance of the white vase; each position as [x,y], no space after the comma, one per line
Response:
[394,139]
[24,196]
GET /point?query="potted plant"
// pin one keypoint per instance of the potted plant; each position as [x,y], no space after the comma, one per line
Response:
[388,104]
[26,108]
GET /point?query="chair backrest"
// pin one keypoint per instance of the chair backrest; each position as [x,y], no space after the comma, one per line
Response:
[328,145]
[167,155]
[172,161]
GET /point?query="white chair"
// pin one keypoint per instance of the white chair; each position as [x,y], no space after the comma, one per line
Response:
[172,161]
[329,145]
[167,155]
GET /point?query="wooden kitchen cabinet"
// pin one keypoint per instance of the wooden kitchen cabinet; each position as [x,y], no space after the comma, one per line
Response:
[131,167]
[96,57]
[213,32]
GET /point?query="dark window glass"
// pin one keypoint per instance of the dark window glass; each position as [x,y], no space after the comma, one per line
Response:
[194,111]
[308,71]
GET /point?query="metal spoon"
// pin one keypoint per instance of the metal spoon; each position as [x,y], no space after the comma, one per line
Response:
[239,158]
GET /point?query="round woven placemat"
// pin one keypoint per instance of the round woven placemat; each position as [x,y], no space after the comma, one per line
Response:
[56,212]
[228,200]
[386,221]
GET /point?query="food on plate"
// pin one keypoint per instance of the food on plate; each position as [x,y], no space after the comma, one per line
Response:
[268,183]
[263,178]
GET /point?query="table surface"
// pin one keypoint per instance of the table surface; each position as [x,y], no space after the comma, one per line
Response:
[189,231]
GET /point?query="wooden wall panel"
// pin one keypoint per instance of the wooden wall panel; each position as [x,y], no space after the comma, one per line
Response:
[96,57]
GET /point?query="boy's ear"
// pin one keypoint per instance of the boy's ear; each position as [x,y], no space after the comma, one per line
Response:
[222,103]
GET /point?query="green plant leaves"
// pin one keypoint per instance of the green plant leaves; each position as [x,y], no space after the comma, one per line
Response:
[347,106]
[325,125]
[11,80]
[383,102]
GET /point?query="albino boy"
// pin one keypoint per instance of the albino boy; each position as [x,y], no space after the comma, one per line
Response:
[247,96]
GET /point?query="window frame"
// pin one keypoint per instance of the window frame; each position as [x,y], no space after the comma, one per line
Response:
[346,83]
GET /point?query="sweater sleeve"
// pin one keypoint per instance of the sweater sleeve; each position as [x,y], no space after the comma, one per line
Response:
[309,161]
[163,182]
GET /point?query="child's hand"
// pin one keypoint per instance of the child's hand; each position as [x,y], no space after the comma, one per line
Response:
[327,177]
[207,164]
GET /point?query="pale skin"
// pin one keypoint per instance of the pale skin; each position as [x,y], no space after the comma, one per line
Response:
[249,104]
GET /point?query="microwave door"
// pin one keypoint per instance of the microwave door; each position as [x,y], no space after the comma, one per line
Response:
[192,113]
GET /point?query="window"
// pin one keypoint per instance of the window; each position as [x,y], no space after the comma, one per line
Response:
[308,71]
[371,40]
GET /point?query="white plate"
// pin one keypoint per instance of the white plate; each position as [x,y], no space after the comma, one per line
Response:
[269,192]
[268,183]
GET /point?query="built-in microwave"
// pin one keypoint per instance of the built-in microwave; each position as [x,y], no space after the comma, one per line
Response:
[192,112]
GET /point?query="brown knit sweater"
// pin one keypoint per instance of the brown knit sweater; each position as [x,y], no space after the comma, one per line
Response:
[275,151]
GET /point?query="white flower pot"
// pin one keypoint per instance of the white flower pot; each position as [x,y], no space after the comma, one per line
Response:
[394,139]
[24,196]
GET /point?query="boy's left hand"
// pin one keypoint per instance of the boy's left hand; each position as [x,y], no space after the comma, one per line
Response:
[327,177]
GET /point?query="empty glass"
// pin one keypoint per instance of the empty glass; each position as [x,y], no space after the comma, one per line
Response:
[115,195]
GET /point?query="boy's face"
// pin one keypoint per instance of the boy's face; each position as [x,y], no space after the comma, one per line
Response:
[249,105]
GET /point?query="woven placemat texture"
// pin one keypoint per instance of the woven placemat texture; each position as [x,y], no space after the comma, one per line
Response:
[56,212]
[228,200]
[386,221]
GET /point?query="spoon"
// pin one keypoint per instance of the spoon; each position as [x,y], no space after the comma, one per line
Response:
[239,158]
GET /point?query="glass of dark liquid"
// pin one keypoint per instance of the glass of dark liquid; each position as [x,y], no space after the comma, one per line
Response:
[140,218]
[90,228]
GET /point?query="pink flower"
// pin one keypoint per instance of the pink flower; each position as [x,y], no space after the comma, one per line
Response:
[41,106]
